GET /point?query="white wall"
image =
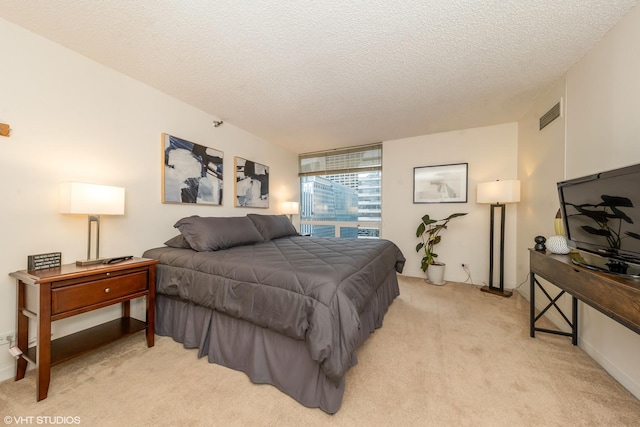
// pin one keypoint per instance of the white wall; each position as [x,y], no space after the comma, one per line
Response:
[603,129]
[492,154]
[75,120]
[541,160]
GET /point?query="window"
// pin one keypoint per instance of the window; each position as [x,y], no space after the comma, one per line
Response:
[340,192]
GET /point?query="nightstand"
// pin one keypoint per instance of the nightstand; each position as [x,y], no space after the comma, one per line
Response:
[56,293]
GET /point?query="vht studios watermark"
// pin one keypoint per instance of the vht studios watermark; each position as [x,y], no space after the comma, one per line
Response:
[41,420]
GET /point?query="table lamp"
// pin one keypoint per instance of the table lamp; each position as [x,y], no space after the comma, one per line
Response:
[93,200]
[291,209]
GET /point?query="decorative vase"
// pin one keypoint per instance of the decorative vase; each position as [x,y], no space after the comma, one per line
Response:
[558,225]
[558,245]
[435,274]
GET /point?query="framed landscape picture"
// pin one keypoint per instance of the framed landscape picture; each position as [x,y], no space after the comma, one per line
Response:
[440,184]
[191,173]
[252,184]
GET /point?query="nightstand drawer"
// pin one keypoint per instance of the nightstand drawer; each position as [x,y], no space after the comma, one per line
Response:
[100,291]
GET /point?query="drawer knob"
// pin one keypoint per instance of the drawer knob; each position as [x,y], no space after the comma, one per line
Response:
[106,291]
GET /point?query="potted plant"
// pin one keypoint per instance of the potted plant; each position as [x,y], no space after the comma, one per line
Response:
[429,231]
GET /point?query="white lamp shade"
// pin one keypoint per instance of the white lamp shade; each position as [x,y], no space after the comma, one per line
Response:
[290,208]
[91,199]
[507,191]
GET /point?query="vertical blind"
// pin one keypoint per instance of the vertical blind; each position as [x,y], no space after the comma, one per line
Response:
[347,160]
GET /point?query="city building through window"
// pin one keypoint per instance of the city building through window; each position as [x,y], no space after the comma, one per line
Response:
[340,192]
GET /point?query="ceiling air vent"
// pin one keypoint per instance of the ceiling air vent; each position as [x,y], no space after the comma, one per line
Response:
[550,116]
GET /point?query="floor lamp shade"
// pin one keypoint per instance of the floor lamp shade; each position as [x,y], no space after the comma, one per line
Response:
[93,200]
[497,193]
[507,191]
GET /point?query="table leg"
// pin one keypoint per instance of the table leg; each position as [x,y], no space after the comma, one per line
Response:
[43,356]
[574,320]
[532,304]
[151,306]
[23,332]
[126,309]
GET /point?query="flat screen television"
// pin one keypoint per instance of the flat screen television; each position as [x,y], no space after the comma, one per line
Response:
[601,216]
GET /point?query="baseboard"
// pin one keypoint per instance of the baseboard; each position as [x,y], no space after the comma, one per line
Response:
[620,376]
[7,372]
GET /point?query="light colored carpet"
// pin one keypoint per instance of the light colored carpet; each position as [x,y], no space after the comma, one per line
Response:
[446,356]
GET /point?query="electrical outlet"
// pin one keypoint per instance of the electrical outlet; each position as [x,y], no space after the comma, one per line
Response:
[7,338]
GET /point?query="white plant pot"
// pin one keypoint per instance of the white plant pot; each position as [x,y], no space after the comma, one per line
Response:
[435,274]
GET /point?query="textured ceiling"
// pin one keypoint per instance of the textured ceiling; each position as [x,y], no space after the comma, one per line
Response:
[323,74]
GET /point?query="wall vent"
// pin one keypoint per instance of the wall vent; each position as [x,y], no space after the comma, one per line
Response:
[550,116]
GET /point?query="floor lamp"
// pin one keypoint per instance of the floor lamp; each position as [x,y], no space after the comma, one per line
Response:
[92,200]
[498,194]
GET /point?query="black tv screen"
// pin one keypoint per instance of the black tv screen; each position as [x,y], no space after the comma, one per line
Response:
[601,215]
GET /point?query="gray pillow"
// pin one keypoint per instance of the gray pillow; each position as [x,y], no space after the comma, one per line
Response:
[178,242]
[273,226]
[214,233]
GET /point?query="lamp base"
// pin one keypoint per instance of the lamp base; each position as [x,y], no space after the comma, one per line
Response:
[496,291]
[82,263]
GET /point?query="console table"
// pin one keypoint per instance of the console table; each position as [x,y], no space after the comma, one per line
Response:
[615,296]
[56,293]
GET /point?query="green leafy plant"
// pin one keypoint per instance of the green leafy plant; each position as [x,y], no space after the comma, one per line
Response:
[429,231]
[608,217]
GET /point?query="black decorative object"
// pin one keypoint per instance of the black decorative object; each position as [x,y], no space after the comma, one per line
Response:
[540,240]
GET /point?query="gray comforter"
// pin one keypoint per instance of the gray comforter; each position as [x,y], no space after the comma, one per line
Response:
[310,289]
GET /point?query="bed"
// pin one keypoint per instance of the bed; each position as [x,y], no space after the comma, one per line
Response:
[288,310]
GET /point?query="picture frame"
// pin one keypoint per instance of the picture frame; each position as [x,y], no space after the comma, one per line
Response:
[251,187]
[441,183]
[191,173]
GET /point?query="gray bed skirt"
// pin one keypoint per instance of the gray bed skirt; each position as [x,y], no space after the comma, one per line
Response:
[267,357]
